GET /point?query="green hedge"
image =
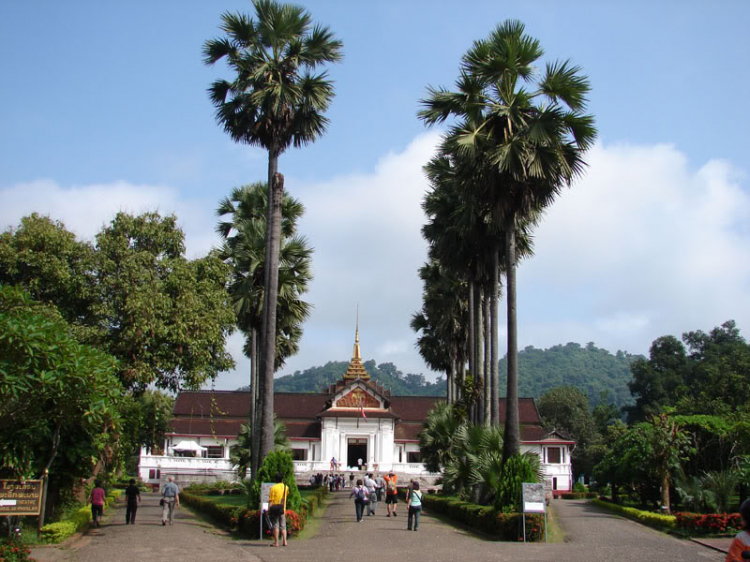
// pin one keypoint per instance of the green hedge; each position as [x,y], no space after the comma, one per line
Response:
[577,495]
[655,520]
[76,521]
[242,520]
[502,526]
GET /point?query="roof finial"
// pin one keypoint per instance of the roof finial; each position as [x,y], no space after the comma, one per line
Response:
[356,333]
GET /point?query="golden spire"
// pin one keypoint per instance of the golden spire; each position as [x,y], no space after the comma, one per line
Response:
[356,370]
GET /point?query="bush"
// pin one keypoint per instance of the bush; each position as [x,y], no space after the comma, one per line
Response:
[656,520]
[486,519]
[276,461]
[516,471]
[577,495]
[708,524]
[579,488]
[58,532]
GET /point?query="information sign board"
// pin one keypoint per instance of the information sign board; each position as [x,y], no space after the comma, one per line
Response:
[533,498]
[20,497]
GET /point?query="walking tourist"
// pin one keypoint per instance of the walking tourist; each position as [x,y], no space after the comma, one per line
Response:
[334,464]
[381,486]
[170,499]
[391,493]
[277,508]
[413,505]
[133,496]
[96,499]
[360,499]
[351,480]
[741,542]
[372,493]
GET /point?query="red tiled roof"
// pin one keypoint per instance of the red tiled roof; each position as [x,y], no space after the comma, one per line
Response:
[225,403]
[303,430]
[355,413]
[205,426]
[407,432]
[527,412]
[414,408]
[298,406]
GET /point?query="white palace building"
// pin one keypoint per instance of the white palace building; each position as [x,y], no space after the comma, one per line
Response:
[352,419]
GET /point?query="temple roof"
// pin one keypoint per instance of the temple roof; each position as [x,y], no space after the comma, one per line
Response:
[356,370]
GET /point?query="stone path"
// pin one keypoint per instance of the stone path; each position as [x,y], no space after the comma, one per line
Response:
[592,536]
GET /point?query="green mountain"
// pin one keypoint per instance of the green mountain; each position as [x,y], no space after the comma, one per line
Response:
[315,379]
[597,372]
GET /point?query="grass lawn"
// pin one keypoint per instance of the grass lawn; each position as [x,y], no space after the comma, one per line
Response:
[240,500]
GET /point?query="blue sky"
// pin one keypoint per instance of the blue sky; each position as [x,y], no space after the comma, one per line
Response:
[103,107]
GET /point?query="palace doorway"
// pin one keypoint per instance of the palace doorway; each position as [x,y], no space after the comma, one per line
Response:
[356,449]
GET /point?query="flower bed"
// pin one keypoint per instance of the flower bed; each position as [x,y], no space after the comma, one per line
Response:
[655,520]
[708,523]
[246,521]
[502,526]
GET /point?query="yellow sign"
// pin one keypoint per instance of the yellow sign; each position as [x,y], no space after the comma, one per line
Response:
[20,497]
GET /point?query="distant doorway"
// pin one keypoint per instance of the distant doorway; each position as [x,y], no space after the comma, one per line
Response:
[357,449]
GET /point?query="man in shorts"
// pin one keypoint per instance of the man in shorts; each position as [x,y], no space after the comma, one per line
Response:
[277,496]
[391,493]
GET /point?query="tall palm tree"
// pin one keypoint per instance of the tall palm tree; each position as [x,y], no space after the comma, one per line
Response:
[243,228]
[534,141]
[273,101]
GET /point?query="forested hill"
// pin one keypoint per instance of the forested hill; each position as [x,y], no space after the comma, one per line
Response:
[592,370]
[315,379]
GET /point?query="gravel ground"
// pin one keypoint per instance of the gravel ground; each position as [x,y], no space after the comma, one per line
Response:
[592,535]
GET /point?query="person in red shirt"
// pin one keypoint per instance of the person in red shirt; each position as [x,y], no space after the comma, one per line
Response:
[741,542]
[96,499]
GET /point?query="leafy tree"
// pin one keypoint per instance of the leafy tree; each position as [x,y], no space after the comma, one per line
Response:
[534,139]
[145,420]
[516,470]
[273,101]
[167,317]
[241,453]
[243,227]
[567,409]
[53,267]
[436,441]
[58,398]
[273,463]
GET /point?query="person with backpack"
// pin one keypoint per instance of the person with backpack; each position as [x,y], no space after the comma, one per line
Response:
[372,487]
[391,493]
[413,505]
[361,498]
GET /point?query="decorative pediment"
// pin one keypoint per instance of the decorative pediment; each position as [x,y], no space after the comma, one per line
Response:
[357,397]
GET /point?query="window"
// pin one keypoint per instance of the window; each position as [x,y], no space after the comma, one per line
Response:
[154,474]
[413,456]
[215,452]
[553,455]
[299,454]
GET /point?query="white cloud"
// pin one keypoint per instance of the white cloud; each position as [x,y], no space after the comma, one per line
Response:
[644,245]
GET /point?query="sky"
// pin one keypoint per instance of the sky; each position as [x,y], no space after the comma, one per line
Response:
[103,107]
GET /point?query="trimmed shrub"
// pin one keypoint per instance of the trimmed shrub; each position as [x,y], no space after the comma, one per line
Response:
[708,523]
[516,471]
[276,461]
[14,551]
[656,520]
[486,519]
[58,532]
[577,495]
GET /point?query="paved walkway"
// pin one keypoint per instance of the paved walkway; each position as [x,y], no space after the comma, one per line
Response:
[592,536]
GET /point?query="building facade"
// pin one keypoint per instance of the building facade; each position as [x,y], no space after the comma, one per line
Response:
[355,422]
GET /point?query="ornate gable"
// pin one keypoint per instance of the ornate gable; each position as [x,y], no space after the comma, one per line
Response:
[356,397]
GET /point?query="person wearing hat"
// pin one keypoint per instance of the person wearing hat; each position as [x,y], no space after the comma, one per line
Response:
[391,493]
[741,542]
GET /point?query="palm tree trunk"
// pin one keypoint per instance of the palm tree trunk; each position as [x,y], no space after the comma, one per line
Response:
[254,428]
[487,418]
[512,437]
[472,346]
[268,338]
[478,354]
[494,360]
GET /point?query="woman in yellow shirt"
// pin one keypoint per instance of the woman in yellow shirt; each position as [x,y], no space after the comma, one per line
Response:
[277,496]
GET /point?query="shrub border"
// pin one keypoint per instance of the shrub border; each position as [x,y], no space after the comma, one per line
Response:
[653,520]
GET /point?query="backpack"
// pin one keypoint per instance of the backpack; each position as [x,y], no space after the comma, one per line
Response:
[391,486]
[361,494]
